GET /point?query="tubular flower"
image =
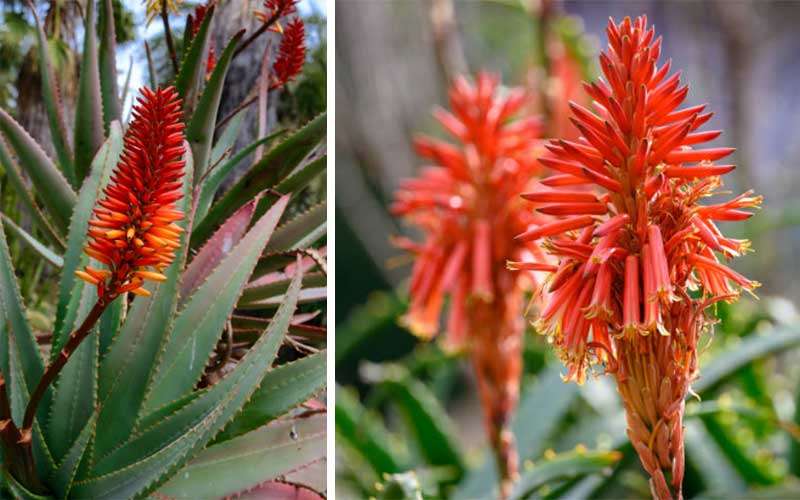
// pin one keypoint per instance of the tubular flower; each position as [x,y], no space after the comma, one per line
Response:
[275,9]
[133,232]
[629,248]
[291,54]
[466,205]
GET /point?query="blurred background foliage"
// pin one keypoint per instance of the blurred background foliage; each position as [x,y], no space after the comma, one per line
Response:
[408,421]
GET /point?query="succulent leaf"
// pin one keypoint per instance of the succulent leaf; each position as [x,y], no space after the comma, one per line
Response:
[108,64]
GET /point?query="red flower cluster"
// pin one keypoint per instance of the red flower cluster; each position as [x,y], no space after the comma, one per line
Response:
[630,249]
[291,54]
[134,223]
[275,9]
[467,206]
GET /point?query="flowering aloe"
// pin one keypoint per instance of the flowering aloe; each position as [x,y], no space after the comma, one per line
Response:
[467,207]
[166,280]
[638,254]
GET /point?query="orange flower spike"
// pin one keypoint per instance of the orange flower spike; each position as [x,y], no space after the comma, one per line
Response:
[468,209]
[649,239]
[133,226]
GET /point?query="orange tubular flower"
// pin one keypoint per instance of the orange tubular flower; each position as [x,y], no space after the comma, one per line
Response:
[629,251]
[133,231]
[467,206]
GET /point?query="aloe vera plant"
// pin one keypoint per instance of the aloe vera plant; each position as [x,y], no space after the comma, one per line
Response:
[179,302]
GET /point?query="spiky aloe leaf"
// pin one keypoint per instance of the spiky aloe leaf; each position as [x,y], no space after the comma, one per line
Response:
[89,105]
[283,388]
[564,466]
[199,324]
[295,182]
[62,477]
[69,287]
[219,173]
[247,461]
[36,245]
[144,463]
[133,351]
[200,130]
[300,232]
[210,255]
[29,360]
[52,104]
[108,64]
[272,289]
[267,172]
[57,195]
[15,177]
[192,65]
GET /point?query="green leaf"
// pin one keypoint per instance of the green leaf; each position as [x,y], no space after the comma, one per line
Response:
[144,463]
[364,434]
[754,347]
[265,173]
[29,360]
[193,63]
[214,179]
[53,106]
[283,388]
[295,182]
[749,469]
[36,245]
[200,131]
[199,324]
[57,195]
[300,232]
[64,474]
[18,490]
[108,64]
[431,426]
[134,350]
[705,455]
[70,285]
[75,389]
[563,466]
[249,460]
[272,289]
[533,424]
[89,104]
[26,197]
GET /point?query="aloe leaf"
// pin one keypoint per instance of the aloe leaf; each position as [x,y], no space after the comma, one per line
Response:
[217,247]
[432,428]
[283,388]
[728,362]
[214,179]
[53,106]
[199,324]
[18,490]
[30,361]
[270,289]
[70,285]
[278,163]
[89,105]
[742,461]
[57,195]
[144,463]
[295,182]
[307,296]
[564,466]
[227,138]
[15,177]
[532,425]
[192,65]
[61,480]
[249,460]
[300,232]
[108,64]
[364,434]
[705,455]
[36,245]
[134,350]
[200,130]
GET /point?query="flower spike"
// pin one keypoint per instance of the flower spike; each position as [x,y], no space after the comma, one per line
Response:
[638,239]
[133,231]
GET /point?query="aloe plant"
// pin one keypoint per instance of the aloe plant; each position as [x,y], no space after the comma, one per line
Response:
[179,386]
